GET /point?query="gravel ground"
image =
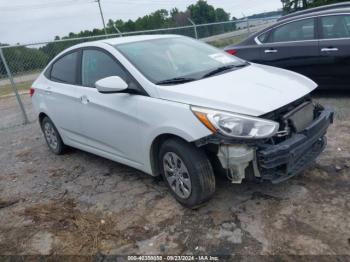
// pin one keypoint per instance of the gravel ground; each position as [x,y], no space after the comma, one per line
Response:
[79,203]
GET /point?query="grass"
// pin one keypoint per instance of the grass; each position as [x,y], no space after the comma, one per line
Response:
[7,89]
[221,43]
[79,232]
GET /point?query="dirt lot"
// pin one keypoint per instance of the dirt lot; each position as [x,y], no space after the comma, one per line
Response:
[83,204]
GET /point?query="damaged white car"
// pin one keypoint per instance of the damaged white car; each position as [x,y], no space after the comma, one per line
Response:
[173,106]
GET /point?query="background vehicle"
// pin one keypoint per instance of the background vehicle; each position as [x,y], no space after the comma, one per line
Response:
[166,105]
[315,44]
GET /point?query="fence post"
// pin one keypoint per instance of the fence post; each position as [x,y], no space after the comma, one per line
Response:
[194,27]
[13,85]
[248,26]
[119,32]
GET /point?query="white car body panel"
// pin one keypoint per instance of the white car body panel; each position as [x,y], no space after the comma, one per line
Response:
[60,102]
[122,127]
[253,90]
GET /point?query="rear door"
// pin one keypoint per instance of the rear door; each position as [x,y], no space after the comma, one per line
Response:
[292,46]
[62,97]
[334,51]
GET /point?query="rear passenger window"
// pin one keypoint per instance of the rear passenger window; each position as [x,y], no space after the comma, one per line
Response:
[65,69]
[295,31]
[97,65]
[337,26]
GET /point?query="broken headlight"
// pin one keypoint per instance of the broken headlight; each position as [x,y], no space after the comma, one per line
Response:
[236,125]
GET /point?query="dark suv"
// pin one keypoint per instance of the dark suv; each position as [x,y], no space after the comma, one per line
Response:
[315,44]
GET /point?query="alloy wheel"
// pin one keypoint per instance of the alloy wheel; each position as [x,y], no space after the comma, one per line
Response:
[51,136]
[177,174]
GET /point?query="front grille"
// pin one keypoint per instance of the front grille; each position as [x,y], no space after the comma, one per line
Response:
[301,116]
[278,114]
[287,128]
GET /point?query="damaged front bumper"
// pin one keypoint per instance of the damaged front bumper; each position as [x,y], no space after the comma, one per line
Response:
[273,161]
[290,157]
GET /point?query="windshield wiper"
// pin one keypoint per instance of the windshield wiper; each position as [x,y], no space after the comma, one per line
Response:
[222,69]
[176,80]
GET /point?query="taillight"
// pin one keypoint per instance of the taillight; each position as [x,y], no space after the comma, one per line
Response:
[232,51]
[31,91]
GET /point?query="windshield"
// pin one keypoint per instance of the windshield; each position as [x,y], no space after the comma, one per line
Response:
[176,58]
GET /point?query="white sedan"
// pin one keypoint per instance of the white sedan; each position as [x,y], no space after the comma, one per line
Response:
[173,106]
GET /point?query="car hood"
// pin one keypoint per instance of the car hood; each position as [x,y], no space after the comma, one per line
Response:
[253,90]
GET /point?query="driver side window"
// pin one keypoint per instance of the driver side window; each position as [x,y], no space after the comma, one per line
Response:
[97,65]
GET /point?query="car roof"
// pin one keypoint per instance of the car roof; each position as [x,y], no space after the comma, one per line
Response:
[131,39]
[122,40]
[117,41]
[315,13]
[341,5]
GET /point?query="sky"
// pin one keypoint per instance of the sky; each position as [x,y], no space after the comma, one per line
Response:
[33,21]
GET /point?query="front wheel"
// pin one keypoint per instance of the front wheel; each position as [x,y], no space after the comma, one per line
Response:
[187,172]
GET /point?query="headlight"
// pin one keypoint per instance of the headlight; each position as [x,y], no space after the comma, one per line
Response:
[235,125]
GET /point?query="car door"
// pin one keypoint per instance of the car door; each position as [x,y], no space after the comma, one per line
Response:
[109,121]
[62,97]
[292,46]
[334,51]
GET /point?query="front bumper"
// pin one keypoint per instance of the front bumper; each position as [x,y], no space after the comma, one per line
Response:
[290,157]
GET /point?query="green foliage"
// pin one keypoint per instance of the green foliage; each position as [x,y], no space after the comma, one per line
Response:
[20,59]
[266,14]
[201,12]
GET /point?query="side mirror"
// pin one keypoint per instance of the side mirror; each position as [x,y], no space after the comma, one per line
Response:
[111,84]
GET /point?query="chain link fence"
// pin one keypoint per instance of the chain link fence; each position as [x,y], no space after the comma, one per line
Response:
[21,64]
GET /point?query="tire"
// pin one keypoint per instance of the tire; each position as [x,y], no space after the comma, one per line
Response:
[52,137]
[191,180]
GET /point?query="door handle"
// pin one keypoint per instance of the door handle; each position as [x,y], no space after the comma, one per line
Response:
[84,100]
[268,51]
[329,49]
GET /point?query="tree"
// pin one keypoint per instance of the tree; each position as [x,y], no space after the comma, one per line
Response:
[180,18]
[202,12]
[2,67]
[221,15]
[20,59]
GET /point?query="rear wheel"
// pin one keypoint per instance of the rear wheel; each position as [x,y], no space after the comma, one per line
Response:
[187,172]
[52,137]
